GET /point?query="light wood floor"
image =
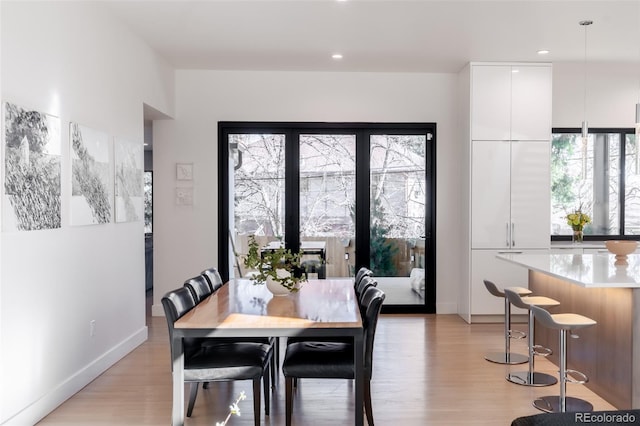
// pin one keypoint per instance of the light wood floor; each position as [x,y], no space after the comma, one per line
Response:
[428,370]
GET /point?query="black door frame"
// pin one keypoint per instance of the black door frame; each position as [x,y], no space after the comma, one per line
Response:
[363,131]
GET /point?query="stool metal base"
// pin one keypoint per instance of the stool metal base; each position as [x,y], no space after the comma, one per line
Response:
[551,404]
[506,358]
[536,378]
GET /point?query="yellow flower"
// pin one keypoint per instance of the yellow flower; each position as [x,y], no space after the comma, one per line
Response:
[578,220]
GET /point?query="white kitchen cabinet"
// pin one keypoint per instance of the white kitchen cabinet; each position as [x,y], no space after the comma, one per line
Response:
[511,101]
[486,266]
[531,102]
[530,194]
[510,194]
[509,143]
[491,102]
[490,194]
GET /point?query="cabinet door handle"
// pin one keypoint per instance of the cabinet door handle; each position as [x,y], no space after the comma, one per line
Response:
[513,234]
[507,234]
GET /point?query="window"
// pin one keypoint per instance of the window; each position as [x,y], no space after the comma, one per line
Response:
[599,177]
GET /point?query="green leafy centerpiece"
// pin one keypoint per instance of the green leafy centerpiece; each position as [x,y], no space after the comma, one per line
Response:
[279,269]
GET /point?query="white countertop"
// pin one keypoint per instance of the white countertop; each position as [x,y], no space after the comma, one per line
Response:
[599,245]
[586,270]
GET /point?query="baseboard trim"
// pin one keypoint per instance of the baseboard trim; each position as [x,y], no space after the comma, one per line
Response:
[36,411]
[157,310]
[446,308]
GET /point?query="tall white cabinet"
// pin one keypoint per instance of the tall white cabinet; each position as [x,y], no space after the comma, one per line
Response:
[508,137]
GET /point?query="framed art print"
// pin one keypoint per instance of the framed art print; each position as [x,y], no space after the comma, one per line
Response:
[90,176]
[32,172]
[129,166]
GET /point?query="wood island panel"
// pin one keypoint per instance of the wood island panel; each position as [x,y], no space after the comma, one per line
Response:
[604,352]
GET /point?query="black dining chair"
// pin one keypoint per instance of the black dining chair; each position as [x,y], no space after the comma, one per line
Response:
[213,277]
[199,287]
[210,279]
[334,360]
[366,282]
[224,361]
[362,272]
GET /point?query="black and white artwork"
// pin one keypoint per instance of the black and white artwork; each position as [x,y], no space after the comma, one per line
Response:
[90,176]
[129,161]
[32,155]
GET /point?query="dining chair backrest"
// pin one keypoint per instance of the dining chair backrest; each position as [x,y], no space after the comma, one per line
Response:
[176,303]
[213,277]
[362,272]
[207,363]
[370,304]
[364,284]
[199,287]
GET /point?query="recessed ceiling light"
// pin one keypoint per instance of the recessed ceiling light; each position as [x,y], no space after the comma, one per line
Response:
[515,70]
[336,56]
[543,52]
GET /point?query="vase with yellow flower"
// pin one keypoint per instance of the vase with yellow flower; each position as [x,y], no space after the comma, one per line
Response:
[577,220]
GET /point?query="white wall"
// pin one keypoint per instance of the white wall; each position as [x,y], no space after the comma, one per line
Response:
[612,93]
[72,60]
[186,238]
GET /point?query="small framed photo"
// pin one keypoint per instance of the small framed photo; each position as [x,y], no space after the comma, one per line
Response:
[184,196]
[184,171]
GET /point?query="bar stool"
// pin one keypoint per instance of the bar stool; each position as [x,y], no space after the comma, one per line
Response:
[564,323]
[530,377]
[507,357]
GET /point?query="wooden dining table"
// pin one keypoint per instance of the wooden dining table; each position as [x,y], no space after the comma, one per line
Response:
[241,308]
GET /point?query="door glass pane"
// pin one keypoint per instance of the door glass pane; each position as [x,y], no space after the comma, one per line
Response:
[632,186]
[327,204]
[256,185]
[585,177]
[397,222]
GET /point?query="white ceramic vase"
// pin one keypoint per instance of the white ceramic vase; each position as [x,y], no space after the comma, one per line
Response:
[275,287]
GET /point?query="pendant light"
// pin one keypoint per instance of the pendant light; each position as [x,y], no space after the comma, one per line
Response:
[585,126]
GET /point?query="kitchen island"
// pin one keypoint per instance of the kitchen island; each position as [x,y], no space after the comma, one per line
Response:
[594,286]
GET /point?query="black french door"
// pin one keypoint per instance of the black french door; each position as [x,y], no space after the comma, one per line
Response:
[349,194]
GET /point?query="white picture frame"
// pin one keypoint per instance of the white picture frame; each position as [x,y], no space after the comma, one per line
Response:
[184,196]
[184,171]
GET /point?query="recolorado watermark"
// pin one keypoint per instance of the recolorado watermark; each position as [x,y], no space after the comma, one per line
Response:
[604,418]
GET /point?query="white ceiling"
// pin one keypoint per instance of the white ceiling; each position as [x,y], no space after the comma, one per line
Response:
[377,35]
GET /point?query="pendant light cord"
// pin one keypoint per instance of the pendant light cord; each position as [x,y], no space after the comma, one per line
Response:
[638,57]
[584,123]
[586,23]
[585,126]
